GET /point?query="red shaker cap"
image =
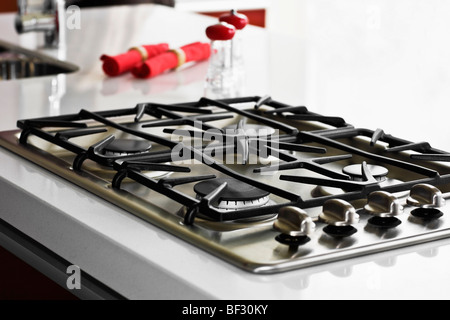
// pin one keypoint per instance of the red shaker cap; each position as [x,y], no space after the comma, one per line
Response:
[221,31]
[238,20]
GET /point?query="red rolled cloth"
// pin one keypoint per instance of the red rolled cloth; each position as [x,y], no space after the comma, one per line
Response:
[115,65]
[171,59]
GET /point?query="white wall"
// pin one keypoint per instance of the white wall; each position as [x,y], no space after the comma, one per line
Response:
[286,16]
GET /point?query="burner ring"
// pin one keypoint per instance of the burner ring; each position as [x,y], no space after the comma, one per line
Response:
[252,130]
[235,190]
[126,147]
[242,204]
[355,171]
[237,195]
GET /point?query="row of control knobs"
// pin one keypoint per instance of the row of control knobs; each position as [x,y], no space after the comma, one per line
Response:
[295,224]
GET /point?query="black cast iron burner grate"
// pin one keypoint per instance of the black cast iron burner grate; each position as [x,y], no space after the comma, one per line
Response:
[201,115]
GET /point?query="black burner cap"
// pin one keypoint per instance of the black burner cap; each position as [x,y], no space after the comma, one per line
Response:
[384,222]
[292,241]
[235,189]
[427,213]
[339,231]
[129,146]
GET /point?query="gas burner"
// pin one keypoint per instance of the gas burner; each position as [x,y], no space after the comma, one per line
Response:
[130,147]
[158,174]
[250,130]
[252,142]
[122,147]
[236,195]
[355,172]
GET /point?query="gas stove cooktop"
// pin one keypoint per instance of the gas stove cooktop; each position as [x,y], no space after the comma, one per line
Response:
[266,186]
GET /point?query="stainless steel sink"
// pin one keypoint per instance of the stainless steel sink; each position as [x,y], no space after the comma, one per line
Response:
[18,63]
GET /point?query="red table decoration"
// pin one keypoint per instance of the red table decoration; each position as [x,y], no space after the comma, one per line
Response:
[238,20]
[116,65]
[172,59]
[222,31]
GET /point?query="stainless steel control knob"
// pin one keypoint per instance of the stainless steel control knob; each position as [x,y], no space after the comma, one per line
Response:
[383,204]
[293,221]
[427,199]
[425,196]
[339,215]
[338,212]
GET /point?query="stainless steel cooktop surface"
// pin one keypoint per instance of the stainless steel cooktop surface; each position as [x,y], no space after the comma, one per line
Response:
[266,186]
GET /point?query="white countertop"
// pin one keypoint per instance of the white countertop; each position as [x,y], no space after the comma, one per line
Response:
[378,64]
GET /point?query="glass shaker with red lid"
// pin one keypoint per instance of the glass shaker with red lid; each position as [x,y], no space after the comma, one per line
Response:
[220,80]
